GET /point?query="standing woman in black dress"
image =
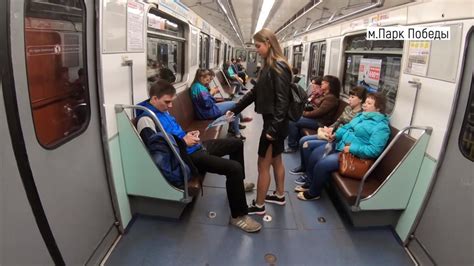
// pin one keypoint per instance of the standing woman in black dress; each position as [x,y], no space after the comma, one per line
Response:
[271,95]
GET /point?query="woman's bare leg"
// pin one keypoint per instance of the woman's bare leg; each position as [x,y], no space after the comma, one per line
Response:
[279,174]
[263,182]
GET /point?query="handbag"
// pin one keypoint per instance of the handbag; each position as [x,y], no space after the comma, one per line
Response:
[353,167]
[322,134]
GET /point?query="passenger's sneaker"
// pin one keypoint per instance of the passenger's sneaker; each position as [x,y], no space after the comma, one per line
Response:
[241,137]
[242,126]
[254,209]
[301,180]
[297,171]
[306,196]
[274,198]
[248,186]
[302,188]
[246,223]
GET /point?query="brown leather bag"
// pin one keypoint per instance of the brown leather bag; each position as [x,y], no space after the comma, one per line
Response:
[353,167]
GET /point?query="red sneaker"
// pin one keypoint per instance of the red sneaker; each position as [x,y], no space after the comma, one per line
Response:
[246,119]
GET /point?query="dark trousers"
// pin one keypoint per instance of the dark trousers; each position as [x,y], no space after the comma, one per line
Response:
[209,160]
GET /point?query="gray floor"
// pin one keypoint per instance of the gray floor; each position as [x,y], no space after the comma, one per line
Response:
[294,236]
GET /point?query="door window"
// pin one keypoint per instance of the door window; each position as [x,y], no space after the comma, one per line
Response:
[56,69]
[466,137]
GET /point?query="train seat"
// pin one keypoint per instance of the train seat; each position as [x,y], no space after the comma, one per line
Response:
[384,192]
[349,186]
[183,111]
[226,85]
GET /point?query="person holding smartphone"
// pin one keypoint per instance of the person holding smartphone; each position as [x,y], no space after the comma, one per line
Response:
[205,156]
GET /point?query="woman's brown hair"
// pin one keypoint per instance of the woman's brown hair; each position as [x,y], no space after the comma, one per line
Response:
[380,101]
[274,51]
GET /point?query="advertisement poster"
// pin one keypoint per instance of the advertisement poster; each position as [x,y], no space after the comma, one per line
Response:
[369,74]
[418,56]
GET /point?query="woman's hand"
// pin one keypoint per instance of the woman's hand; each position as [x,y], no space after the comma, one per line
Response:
[269,137]
[331,137]
[346,149]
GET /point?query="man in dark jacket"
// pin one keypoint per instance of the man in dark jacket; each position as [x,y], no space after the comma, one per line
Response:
[206,156]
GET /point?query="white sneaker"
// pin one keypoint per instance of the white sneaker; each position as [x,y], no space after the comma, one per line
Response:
[246,223]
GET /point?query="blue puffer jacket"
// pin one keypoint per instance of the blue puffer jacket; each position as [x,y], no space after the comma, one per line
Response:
[367,134]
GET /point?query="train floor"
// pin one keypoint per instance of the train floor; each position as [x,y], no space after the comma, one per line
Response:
[299,233]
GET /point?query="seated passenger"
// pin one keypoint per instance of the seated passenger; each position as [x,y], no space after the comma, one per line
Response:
[205,105]
[308,143]
[233,78]
[240,70]
[321,115]
[365,136]
[205,156]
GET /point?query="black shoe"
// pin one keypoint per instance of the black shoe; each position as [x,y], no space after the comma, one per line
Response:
[240,93]
[253,209]
[241,137]
[275,199]
[242,126]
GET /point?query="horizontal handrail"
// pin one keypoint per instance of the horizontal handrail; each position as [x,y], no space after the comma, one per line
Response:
[427,130]
[120,107]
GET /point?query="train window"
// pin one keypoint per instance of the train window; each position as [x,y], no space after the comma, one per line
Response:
[225,52]
[204,50]
[56,69]
[373,64]
[285,52]
[194,40]
[466,137]
[165,48]
[217,52]
[297,57]
[317,59]
[241,53]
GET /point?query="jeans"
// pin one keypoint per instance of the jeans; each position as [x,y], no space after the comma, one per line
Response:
[209,160]
[295,128]
[312,142]
[226,106]
[319,168]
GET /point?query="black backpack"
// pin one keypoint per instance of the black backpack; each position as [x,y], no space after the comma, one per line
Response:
[297,103]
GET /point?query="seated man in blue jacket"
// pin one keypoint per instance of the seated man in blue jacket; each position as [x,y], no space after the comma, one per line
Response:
[206,156]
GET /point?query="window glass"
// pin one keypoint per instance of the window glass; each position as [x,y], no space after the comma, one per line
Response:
[285,52]
[373,64]
[159,23]
[322,60]
[204,50]
[317,59]
[217,52]
[56,70]
[242,54]
[466,137]
[165,48]
[297,57]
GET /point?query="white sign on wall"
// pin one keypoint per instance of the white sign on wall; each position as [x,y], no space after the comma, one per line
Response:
[135,15]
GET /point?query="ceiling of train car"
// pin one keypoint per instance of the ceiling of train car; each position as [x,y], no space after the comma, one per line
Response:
[242,15]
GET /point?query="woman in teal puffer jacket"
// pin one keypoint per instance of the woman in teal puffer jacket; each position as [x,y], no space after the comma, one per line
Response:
[365,137]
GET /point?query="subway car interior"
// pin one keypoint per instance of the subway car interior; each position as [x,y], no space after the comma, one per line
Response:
[100,114]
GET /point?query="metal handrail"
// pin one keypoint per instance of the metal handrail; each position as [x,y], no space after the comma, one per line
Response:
[120,107]
[427,130]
